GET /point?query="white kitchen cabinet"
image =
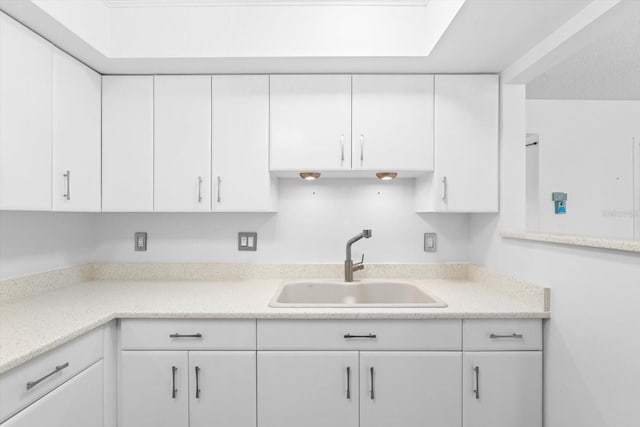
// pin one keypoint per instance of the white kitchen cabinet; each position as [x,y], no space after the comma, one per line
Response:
[25,118]
[466,146]
[182,161]
[241,178]
[76,403]
[502,389]
[408,388]
[76,135]
[127,143]
[393,123]
[308,388]
[310,123]
[222,388]
[153,389]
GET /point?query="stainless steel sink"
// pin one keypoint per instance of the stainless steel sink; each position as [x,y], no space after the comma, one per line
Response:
[353,295]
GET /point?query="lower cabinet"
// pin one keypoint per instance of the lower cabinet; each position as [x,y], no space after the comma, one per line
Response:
[76,403]
[350,388]
[502,389]
[187,388]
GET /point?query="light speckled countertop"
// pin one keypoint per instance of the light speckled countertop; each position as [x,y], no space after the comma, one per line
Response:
[34,325]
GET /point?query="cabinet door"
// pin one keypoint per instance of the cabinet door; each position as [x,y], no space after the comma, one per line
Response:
[311,389]
[222,388]
[153,389]
[241,179]
[25,118]
[408,388]
[182,172]
[310,123]
[76,135]
[76,403]
[466,143]
[502,389]
[393,123]
[127,143]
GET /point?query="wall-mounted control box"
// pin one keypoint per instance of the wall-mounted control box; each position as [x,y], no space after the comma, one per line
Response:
[559,202]
[247,241]
[140,241]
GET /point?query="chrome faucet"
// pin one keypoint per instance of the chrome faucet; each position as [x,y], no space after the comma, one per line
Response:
[349,266]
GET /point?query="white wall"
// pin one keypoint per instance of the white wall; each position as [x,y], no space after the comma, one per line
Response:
[33,242]
[590,359]
[586,150]
[313,223]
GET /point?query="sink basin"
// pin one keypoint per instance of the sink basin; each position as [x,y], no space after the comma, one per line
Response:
[342,294]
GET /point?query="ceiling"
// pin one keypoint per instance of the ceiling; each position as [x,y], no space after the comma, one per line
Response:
[484,36]
[607,68]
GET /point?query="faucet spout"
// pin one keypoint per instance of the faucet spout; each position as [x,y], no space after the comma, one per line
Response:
[349,267]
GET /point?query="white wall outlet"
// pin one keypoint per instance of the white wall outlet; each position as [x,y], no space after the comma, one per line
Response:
[247,241]
[140,241]
[430,242]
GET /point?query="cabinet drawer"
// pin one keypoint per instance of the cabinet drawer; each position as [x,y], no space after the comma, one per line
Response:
[62,363]
[502,334]
[191,334]
[359,335]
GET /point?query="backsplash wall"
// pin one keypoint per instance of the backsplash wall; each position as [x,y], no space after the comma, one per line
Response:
[313,223]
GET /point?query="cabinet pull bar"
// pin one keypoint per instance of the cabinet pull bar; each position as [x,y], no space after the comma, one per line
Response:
[372,391]
[348,382]
[174,390]
[369,336]
[444,188]
[476,376]
[198,335]
[342,148]
[362,148]
[197,382]
[67,178]
[32,384]
[219,185]
[514,335]
[199,189]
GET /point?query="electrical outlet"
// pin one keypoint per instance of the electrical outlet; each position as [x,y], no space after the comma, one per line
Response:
[430,242]
[247,241]
[140,241]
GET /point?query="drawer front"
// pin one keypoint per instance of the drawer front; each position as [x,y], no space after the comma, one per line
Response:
[359,335]
[188,334]
[502,334]
[52,369]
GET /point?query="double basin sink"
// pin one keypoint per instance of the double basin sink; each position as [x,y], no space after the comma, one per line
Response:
[389,294]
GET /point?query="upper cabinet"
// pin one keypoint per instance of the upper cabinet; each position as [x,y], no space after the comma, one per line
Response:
[393,123]
[466,146]
[310,123]
[25,118]
[241,178]
[76,135]
[182,129]
[127,143]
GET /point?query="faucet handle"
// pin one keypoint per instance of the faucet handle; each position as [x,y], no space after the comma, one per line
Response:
[361,261]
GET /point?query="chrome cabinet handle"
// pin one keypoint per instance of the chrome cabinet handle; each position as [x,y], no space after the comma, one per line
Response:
[348,382]
[444,188]
[514,335]
[199,189]
[67,178]
[372,391]
[370,336]
[219,198]
[362,148]
[476,376]
[342,148]
[197,382]
[174,390]
[32,384]
[198,335]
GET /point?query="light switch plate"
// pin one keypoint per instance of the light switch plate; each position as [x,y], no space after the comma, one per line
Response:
[430,242]
[140,241]
[247,241]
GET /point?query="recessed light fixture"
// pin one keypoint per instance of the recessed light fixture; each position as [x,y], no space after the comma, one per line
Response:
[309,176]
[386,176]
